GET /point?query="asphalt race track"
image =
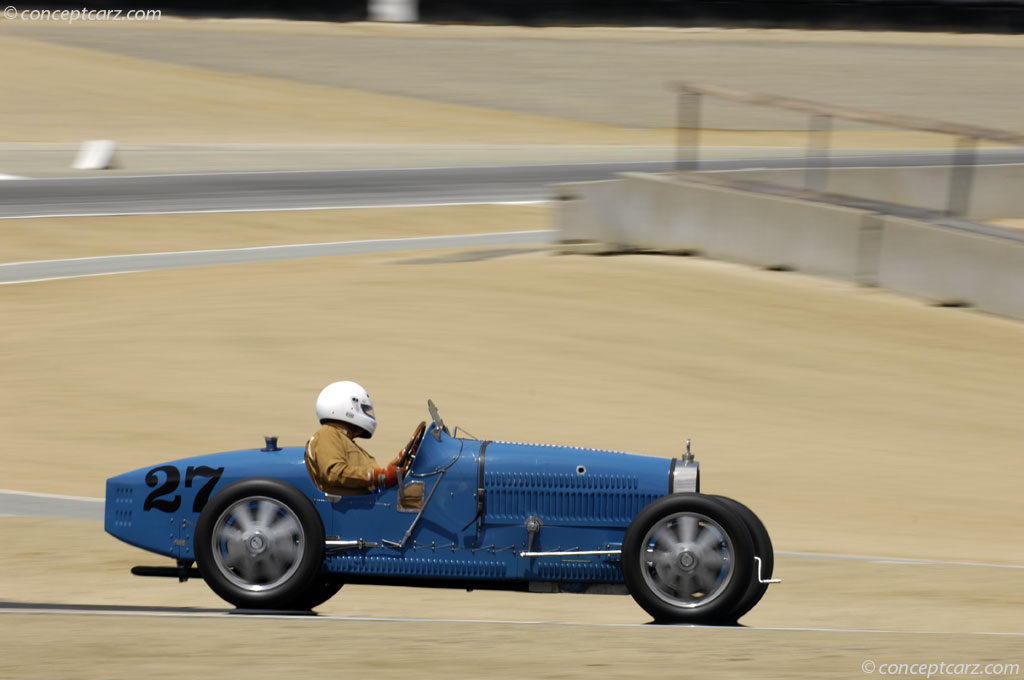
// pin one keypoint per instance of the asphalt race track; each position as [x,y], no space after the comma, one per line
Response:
[44,609]
[259,191]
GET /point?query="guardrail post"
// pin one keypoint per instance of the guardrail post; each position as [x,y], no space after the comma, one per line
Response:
[688,131]
[819,138]
[961,176]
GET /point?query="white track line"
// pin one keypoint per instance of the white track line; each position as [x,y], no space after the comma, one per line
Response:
[477,622]
[411,240]
[47,270]
[76,276]
[413,168]
[3,177]
[34,494]
[895,560]
[212,211]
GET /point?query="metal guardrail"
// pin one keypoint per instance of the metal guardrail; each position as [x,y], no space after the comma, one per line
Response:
[964,156]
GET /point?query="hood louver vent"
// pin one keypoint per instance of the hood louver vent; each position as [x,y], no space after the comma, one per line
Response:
[563,497]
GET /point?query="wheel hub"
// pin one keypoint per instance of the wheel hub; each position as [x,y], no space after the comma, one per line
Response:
[257,543]
[688,560]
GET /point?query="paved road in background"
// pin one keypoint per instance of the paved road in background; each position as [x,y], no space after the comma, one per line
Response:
[243,191]
[25,504]
[217,192]
[46,270]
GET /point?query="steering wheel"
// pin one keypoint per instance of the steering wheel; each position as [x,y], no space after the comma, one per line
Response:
[408,454]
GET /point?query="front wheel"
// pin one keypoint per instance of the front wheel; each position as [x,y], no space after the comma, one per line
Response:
[756,588]
[323,589]
[687,558]
[259,544]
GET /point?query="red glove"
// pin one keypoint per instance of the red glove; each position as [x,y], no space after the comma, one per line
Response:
[385,478]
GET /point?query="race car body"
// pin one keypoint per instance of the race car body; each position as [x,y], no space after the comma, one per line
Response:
[467,513]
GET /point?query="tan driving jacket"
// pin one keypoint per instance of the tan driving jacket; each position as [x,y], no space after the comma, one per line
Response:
[337,464]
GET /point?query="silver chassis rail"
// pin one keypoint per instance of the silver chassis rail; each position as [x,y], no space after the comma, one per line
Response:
[333,545]
[583,553]
[570,553]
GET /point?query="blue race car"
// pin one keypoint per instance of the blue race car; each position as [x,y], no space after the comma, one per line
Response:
[467,513]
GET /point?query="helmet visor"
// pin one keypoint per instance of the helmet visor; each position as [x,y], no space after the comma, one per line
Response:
[368,410]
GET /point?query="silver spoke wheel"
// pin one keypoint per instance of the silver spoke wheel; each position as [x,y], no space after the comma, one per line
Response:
[258,543]
[686,559]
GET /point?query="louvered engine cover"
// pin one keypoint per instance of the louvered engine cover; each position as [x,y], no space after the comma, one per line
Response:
[564,486]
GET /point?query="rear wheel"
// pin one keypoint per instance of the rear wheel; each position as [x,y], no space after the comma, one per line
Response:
[687,558]
[259,544]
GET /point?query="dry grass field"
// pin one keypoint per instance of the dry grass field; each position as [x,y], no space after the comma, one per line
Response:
[333,77]
[874,410]
[854,421]
[138,100]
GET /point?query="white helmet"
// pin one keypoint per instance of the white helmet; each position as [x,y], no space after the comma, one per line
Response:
[348,402]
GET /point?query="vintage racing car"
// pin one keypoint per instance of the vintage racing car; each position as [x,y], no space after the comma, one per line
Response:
[466,513]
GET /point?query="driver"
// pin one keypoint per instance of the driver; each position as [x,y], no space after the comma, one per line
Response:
[335,462]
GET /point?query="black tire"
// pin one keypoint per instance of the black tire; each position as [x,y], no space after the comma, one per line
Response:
[762,548]
[323,588]
[259,544]
[687,558]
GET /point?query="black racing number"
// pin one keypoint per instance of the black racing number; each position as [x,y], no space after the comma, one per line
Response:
[203,495]
[157,500]
[171,480]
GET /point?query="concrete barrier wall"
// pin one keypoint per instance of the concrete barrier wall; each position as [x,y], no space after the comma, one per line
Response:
[996,190]
[658,212]
[587,212]
[653,212]
[947,266]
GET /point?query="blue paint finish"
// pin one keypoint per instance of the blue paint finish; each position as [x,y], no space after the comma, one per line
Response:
[584,499]
[170,532]
[568,486]
[375,517]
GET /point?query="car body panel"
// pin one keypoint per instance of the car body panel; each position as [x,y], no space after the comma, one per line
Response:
[156,508]
[481,499]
